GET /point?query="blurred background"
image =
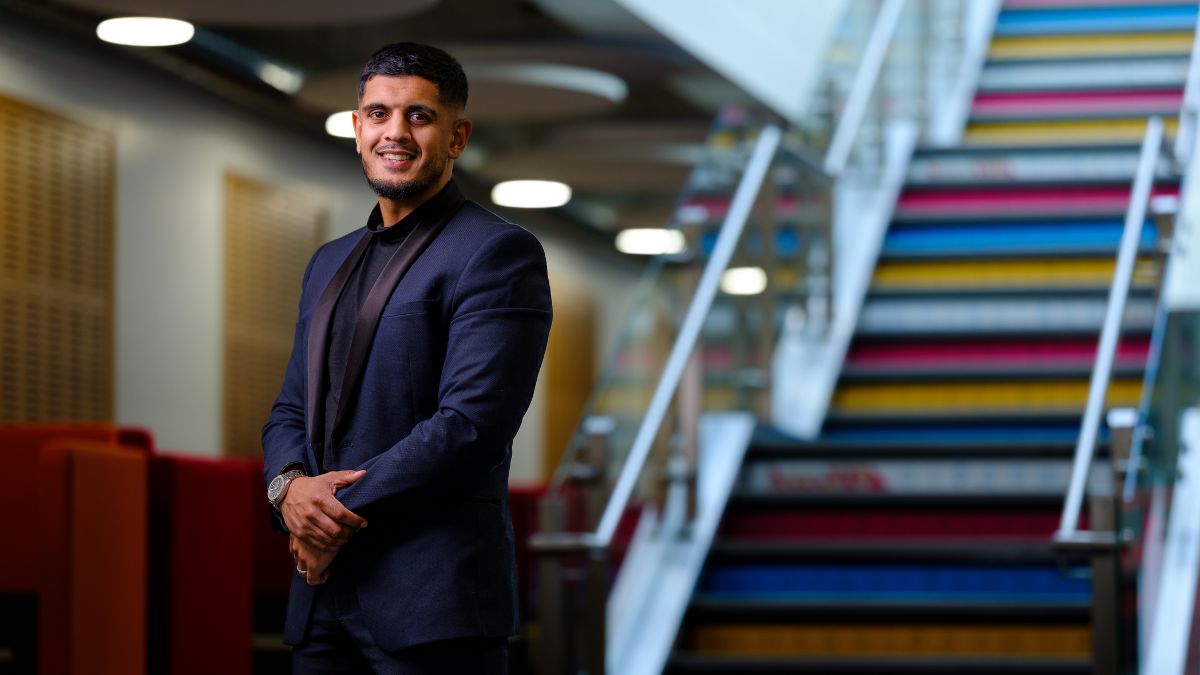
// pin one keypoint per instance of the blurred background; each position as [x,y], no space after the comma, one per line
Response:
[874,340]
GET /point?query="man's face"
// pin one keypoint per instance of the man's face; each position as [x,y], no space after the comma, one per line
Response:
[406,138]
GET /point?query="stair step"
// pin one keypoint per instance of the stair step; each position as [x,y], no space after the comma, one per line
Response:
[719,607]
[946,237]
[1030,294]
[965,550]
[1019,48]
[855,640]
[1067,75]
[983,316]
[682,662]
[967,354]
[1046,275]
[771,445]
[989,423]
[927,152]
[966,477]
[1025,202]
[1060,131]
[979,248]
[1052,165]
[865,374]
[748,499]
[1117,19]
[776,522]
[1071,115]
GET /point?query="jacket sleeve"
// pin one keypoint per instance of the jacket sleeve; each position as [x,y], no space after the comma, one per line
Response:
[499,324]
[284,435]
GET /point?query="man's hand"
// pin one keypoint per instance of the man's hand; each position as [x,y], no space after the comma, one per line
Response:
[315,516]
[311,563]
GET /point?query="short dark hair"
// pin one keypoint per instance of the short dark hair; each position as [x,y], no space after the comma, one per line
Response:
[431,63]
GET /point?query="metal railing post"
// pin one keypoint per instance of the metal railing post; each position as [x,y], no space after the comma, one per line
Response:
[552,634]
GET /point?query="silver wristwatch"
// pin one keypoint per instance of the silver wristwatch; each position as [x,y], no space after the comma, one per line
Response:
[279,486]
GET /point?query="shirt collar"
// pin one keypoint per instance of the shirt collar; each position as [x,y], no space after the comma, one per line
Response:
[433,208]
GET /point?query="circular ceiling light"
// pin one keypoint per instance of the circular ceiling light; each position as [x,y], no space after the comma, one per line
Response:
[650,241]
[744,281]
[531,194]
[145,31]
[340,124]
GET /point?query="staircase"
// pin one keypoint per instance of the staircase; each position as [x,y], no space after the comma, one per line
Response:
[914,535]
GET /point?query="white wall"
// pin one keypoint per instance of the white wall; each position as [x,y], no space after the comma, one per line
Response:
[174,145]
[774,49]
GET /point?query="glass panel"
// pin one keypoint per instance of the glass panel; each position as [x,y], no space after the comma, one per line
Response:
[1145,517]
[634,366]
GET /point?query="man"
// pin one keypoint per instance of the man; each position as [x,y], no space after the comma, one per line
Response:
[416,352]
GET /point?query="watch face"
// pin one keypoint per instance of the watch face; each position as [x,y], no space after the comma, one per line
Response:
[275,488]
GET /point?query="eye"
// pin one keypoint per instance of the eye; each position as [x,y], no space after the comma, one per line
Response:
[419,117]
[376,114]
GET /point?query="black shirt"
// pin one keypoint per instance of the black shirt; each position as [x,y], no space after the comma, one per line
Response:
[384,243]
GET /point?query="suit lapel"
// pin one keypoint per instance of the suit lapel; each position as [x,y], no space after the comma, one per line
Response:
[318,345]
[368,316]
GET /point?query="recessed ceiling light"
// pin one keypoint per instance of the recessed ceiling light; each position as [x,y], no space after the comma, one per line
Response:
[650,241]
[531,194]
[340,124]
[145,31]
[744,281]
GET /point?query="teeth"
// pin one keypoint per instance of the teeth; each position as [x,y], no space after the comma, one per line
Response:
[395,157]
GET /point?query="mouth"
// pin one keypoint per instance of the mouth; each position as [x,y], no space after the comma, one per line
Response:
[397,159]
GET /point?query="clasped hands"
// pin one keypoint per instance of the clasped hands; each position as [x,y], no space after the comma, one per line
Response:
[319,523]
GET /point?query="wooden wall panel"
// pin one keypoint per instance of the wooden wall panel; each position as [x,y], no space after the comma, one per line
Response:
[270,233]
[56,267]
[569,371]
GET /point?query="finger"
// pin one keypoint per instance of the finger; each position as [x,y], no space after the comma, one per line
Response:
[334,533]
[339,479]
[342,515]
[314,537]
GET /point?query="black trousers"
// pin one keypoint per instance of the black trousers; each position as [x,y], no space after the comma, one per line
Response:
[338,642]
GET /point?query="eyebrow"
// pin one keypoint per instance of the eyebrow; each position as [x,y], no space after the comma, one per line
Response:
[415,107]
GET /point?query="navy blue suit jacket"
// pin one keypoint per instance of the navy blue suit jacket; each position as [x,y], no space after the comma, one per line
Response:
[449,375]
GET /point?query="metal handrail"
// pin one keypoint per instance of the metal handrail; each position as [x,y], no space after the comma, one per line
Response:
[855,110]
[1110,333]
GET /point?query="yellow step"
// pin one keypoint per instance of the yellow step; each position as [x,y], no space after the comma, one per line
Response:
[1054,395]
[1060,131]
[1052,46]
[1018,273]
[868,640]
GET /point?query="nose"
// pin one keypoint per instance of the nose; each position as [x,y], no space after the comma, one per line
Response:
[398,129]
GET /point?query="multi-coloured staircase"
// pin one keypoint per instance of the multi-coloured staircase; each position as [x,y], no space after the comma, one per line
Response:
[914,535]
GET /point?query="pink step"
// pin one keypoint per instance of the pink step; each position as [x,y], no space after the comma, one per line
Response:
[1017,201]
[989,353]
[1052,103]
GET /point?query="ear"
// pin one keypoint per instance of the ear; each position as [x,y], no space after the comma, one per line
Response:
[458,139]
[357,131]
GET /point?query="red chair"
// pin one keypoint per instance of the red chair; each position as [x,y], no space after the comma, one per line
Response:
[202,551]
[92,590]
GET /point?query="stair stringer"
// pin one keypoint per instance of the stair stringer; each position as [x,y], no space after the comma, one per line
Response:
[662,566]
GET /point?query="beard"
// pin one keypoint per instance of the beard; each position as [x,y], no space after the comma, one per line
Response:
[404,190]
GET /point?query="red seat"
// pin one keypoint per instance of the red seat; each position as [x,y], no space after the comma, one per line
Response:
[19,446]
[92,590]
[202,549]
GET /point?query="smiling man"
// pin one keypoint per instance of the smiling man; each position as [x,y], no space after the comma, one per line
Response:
[416,351]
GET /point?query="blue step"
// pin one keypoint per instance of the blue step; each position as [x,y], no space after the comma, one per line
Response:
[1120,19]
[862,581]
[953,435]
[976,238]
